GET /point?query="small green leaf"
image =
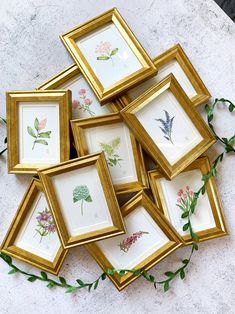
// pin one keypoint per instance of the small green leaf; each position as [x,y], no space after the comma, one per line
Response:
[166,286]
[122,273]
[185,261]
[210,118]
[186,226]
[89,287]
[50,285]
[96,284]
[44,134]
[3,120]
[195,246]
[194,236]
[7,258]
[231,107]
[13,271]
[88,199]
[44,275]
[103,276]
[203,189]
[170,274]
[31,132]
[80,282]
[182,274]
[32,278]
[62,280]
[185,214]
[151,277]
[36,123]
[114,51]
[110,271]
[41,142]
[103,58]
[5,140]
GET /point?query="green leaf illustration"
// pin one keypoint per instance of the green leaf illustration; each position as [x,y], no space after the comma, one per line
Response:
[81,193]
[44,134]
[116,142]
[36,123]
[108,149]
[103,58]
[41,142]
[31,132]
[114,51]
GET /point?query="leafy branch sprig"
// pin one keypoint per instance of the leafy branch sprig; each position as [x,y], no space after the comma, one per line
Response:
[4,121]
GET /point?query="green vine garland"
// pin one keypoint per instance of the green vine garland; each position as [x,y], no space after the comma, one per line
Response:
[170,275]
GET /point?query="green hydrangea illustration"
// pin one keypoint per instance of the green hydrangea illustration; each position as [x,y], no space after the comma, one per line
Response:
[81,193]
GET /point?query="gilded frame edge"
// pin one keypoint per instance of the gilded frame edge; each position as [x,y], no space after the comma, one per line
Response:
[81,147]
[105,95]
[175,241]
[10,249]
[13,97]
[203,164]
[98,160]
[128,113]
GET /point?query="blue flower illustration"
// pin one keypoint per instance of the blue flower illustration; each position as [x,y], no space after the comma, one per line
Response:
[166,126]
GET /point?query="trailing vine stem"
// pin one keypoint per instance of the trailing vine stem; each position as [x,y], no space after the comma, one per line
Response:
[4,121]
[170,275]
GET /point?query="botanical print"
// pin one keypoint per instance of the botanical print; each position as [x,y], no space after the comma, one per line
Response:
[39,136]
[110,151]
[45,223]
[166,127]
[105,51]
[185,198]
[83,103]
[81,193]
[127,243]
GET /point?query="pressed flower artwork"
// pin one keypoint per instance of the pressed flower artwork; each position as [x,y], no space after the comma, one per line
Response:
[83,103]
[81,193]
[126,244]
[110,151]
[45,224]
[166,126]
[185,198]
[39,137]
[105,51]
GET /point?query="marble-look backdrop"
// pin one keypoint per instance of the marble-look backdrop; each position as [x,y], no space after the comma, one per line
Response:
[30,53]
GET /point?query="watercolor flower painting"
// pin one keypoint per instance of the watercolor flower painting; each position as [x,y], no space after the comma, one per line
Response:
[185,198]
[126,244]
[166,126]
[45,224]
[110,151]
[81,193]
[39,137]
[83,103]
[105,51]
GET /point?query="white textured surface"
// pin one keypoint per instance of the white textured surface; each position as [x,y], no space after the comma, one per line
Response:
[30,53]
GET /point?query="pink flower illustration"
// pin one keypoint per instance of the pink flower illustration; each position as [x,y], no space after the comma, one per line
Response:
[42,124]
[45,223]
[75,104]
[105,51]
[83,103]
[128,242]
[88,102]
[185,200]
[103,47]
[82,91]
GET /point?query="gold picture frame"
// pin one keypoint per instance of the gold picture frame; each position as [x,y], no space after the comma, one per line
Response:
[52,103]
[10,246]
[78,230]
[171,97]
[199,92]
[214,220]
[139,206]
[139,174]
[143,66]
[67,79]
